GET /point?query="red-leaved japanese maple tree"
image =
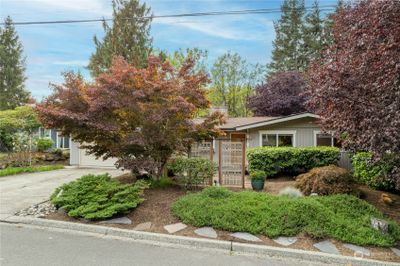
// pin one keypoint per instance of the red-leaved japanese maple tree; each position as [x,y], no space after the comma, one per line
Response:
[356,86]
[282,94]
[139,116]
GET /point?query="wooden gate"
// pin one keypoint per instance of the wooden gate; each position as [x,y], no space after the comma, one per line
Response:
[231,157]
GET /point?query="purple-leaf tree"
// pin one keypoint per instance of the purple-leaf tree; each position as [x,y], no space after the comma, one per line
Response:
[356,86]
[282,94]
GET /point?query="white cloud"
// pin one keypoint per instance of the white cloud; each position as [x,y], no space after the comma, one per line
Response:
[71,62]
[222,28]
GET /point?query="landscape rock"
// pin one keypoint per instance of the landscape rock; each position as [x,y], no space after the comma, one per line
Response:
[380,225]
[62,210]
[396,251]
[327,247]
[285,241]
[119,220]
[246,236]
[206,232]
[143,226]
[358,249]
[173,228]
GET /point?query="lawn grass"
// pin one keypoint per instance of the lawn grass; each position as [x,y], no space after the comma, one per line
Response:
[342,217]
[29,169]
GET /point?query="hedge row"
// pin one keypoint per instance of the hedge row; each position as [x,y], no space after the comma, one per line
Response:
[291,160]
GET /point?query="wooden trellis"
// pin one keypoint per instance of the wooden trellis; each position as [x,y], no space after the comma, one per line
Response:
[231,155]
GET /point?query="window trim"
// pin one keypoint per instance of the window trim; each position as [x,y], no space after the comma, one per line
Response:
[277,132]
[316,132]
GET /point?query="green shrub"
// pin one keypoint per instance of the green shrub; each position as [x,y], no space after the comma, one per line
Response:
[372,173]
[342,217]
[163,182]
[258,175]
[191,172]
[29,169]
[290,160]
[98,197]
[43,144]
[326,180]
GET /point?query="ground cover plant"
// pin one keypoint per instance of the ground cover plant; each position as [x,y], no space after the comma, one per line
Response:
[29,169]
[98,197]
[290,160]
[342,217]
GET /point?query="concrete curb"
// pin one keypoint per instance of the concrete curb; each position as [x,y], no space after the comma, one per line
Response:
[200,242]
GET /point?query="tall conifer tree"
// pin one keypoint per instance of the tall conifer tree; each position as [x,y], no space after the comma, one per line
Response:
[313,34]
[287,51]
[128,36]
[12,68]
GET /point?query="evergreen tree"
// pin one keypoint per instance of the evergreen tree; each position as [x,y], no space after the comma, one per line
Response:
[12,68]
[327,36]
[287,51]
[313,34]
[128,36]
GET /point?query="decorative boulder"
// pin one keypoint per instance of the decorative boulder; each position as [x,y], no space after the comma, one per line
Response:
[380,225]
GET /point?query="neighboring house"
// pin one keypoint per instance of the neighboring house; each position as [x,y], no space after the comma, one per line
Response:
[298,130]
[59,142]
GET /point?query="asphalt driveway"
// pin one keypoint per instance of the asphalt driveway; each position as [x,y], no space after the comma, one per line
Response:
[21,191]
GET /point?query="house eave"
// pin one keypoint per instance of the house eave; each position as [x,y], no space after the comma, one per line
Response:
[277,120]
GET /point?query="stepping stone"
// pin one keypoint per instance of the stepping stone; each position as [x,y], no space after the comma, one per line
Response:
[285,241]
[396,251]
[246,236]
[143,226]
[358,249]
[120,220]
[173,228]
[327,247]
[206,231]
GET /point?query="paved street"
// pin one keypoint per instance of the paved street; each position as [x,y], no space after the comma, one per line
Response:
[25,245]
[21,191]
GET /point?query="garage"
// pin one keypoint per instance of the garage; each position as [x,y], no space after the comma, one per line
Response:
[79,157]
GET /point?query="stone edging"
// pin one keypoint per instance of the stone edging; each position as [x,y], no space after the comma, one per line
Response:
[199,242]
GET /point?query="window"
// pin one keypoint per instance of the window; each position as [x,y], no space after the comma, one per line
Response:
[323,139]
[278,138]
[44,133]
[62,142]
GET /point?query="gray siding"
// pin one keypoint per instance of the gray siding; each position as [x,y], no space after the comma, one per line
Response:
[304,132]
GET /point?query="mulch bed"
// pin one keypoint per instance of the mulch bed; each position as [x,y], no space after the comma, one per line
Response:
[157,209]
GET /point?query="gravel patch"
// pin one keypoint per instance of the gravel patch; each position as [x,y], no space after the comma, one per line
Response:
[40,210]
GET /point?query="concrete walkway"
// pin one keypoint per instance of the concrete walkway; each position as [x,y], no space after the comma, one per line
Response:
[21,191]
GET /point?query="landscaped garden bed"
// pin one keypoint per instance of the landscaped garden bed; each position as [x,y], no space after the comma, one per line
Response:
[159,205]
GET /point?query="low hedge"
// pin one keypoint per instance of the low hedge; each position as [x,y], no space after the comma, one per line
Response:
[291,160]
[342,217]
[373,173]
[98,197]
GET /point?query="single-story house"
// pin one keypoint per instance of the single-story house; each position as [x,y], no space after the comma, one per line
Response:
[59,141]
[298,130]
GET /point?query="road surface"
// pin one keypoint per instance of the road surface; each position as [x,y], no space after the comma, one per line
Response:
[22,245]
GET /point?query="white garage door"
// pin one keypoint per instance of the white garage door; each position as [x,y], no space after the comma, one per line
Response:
[86,160]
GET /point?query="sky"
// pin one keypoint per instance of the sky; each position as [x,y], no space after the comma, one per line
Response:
[56,48]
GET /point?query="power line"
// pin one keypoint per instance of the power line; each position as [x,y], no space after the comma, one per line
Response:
[196,14]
